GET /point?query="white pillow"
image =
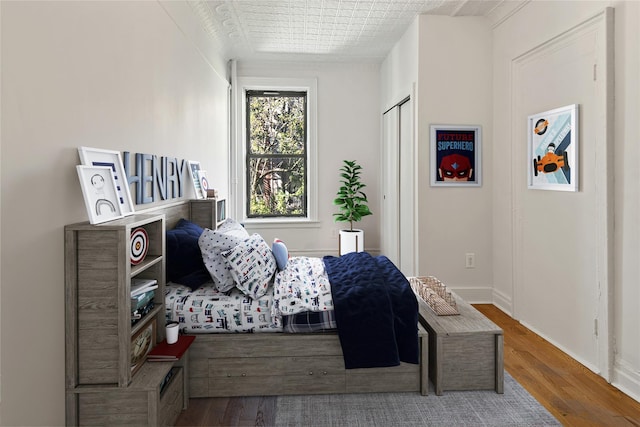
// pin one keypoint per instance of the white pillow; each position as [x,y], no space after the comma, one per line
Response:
[212,243]
[252,265]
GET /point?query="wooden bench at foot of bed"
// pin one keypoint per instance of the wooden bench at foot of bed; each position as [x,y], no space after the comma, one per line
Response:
[279,364]
[466,350]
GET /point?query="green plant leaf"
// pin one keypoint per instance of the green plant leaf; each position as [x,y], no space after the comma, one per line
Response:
[351,200]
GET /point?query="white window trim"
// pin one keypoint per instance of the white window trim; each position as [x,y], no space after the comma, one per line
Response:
[238,163]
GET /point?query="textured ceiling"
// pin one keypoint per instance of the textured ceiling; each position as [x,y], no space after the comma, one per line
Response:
[321,29]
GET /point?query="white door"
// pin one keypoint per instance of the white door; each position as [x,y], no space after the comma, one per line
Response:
[389,237]
[562,239]
[398,155]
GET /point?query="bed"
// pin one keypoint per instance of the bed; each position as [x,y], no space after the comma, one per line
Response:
[266,338]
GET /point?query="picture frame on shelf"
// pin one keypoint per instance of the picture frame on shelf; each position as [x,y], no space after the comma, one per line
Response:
[552,153]
[194,169]
[456,155]
[141,344]
[204,183]
[113,159]
[99,191]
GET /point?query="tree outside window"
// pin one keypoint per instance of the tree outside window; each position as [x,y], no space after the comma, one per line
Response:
[276,154]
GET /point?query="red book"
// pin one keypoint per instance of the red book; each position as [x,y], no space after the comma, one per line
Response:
[167,352]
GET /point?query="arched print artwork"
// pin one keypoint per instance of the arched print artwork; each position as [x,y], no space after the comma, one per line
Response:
[455,156]
[113,159]
[100,195]
[103,206]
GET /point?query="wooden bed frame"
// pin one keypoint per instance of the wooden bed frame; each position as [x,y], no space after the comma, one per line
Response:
[280,363]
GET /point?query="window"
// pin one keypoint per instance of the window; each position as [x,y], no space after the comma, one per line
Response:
[276,154]
[275,161]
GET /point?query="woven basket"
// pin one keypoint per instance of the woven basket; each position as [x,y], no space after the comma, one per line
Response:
[435,294]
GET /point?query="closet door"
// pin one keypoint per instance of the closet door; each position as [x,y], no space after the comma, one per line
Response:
[389,238]
[406,185]
[398,186]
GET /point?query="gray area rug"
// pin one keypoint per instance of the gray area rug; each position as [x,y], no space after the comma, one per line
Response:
[516,407]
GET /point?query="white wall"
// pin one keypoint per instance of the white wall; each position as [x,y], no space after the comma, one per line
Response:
[399,70]
[348,128]
[626,375]
[456,84]
[114,75]
[447,59]
[454,88]
[513,38]
[560,251]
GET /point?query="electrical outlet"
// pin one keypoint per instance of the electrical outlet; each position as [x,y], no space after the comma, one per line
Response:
[470,260]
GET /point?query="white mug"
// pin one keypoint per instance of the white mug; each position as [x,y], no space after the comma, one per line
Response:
[172,332]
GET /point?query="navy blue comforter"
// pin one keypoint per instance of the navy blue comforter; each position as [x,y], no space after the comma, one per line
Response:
[376,311]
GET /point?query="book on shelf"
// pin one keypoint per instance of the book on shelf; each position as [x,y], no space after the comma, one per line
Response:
[141,312]
[164,352]
[140,286]
[141,300]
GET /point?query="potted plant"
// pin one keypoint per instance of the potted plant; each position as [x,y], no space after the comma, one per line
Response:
[352,202]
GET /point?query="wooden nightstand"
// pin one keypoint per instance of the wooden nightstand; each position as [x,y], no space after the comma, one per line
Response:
[148,401]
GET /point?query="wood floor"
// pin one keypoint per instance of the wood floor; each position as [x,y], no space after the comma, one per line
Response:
[572,393]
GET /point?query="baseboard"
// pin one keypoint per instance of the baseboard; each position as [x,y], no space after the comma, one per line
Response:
[473,294]
[315,253]
[503,302]
[319,253]
[574,356]
[626,379]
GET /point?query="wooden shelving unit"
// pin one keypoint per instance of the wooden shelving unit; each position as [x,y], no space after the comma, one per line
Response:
[102,386]
[211,212]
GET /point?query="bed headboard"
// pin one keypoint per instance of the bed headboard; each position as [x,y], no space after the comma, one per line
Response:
[199,211]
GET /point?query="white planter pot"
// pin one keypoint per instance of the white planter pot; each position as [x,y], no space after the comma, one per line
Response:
[351,241]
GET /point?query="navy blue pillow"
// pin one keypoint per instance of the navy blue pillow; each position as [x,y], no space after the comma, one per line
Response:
[184,259]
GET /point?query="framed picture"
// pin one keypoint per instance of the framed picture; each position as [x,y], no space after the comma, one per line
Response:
[456,156]
[204,182]
[99,191]
[194,171]
[112,159]
[552,153]
[141,344]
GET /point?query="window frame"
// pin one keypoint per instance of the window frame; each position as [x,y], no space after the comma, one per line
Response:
[239,162]
[249,155]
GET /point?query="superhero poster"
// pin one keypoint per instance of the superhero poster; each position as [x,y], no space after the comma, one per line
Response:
[551,158]
[455,156]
